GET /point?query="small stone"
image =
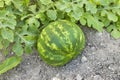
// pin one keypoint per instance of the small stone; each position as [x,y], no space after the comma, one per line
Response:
[84,59]
[98,77]
[90,45]
[55,78]
[12,53]
[57,75]
[113,67]
[28,63]
[93,48]
[79,77]
[99,33]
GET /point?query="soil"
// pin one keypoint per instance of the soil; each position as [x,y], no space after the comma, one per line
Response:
[100,60]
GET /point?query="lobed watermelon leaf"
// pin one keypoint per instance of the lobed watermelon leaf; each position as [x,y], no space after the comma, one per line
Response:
[115,33]
[18,49]
[7,34]
[112,16]
[94,22]
[52,14]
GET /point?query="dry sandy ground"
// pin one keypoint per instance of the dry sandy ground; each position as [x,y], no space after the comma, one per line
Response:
[100,60]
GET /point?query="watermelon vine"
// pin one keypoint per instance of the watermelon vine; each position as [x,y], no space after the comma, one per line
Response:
[21,21]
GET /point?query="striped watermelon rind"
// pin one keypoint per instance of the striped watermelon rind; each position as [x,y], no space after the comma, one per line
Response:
[60,42]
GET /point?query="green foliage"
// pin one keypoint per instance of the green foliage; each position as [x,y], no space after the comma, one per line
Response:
[21,21]
[9,63]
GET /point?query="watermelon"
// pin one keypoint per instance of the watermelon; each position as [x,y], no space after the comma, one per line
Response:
[59,42]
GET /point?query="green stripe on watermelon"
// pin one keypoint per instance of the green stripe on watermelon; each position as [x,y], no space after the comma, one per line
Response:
[67,30]
[55,39]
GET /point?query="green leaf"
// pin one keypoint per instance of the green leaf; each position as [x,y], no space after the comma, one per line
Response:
[77,12]
[10,23]
[112,16]
[8,2]
[64,6]
[60,15]
[18,4]
[17,48]
[61,6]
[1,4]
[7,19]
[72,19]
[115,33]
[26,2]
[94,22]
[9,63]
[103,13]
[28,49]
[82,20]
[26,16]
[91,7]
[5,43]
[118,23]
[32,8]
[105,21]
[33,22]
[68,8]
[41,16]
[45,2]
[116,10]
[30,38]
[52,14]
[1,45]
[33,25]
[23,39]
[110,28]
[7,34]
[105,2]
